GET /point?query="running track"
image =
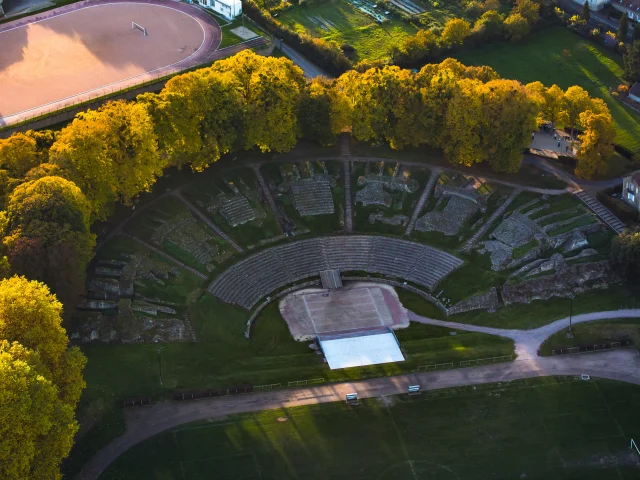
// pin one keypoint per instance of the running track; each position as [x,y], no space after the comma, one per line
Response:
[208,52]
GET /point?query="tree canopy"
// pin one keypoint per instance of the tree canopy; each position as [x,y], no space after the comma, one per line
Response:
[40,382]
[47,233]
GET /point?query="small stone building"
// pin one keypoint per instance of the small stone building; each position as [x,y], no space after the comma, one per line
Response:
[631,190]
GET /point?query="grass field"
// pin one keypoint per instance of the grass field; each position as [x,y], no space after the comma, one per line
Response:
[342,22]
[223,357]
[558,56]
[541,429]
[626,329]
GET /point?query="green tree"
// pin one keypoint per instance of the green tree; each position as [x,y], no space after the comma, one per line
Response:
[623,28]
[586,11]
[625,254]
[529,9]
[46,392]
[48,235]
[315,111]
[454,32]
[490,25]
[635,32]
[516,27]
[110,153]
[596,143]
[417,47]
[631,62]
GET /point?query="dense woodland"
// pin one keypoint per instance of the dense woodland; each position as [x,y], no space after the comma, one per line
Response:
[54,185]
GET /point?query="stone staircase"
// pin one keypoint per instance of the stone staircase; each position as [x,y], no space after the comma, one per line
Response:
[468,245]
[435,173]
[601,211]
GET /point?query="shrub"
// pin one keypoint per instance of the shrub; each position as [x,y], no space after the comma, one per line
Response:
[622,89]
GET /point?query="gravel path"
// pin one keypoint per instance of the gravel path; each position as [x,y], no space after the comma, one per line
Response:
[623,365]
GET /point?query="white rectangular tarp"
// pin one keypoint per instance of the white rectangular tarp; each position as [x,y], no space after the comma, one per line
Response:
[356,351]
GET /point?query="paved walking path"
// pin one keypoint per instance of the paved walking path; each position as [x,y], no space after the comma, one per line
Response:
[207,221]
[527,342]
[623,365]
[435,173]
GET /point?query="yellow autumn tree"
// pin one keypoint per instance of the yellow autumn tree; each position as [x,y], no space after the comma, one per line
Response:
[197,117]
[110,153]
[41,382]
[270,89]
[18,154]
[596,143]
[455,31]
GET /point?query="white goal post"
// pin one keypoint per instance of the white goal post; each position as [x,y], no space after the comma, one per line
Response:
[135,25]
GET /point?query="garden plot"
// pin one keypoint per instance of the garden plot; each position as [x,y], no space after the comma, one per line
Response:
[346,24]
[386,193]
[172,227]
[235,202]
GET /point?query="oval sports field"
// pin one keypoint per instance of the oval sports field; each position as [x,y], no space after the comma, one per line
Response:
[89,49]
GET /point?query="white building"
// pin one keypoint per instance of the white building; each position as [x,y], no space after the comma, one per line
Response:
[593,4]
[229,9]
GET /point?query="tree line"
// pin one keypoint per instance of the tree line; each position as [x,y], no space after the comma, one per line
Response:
[491,26]
[55,185]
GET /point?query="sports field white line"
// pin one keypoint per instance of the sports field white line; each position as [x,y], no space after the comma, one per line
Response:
[112,84]
[376,307]
[309,313]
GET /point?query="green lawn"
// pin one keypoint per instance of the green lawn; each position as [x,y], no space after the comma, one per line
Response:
[340,21]
[223,357]
[626,329]
[229,38]
[558,56]
[538,429]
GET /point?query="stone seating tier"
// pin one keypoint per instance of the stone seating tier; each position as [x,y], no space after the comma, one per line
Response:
[237,210]
[255,277]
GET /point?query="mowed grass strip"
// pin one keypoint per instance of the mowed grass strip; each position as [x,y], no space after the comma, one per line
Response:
[342,22]
[558,56]
[589,334]
[560,428]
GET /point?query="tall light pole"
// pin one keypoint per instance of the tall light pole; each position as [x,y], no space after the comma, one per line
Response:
[570,334]
[159,350]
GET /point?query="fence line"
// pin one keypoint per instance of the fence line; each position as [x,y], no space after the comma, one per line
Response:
[482,361]
[301,383]
[436,366]
[268,386]
[590,348]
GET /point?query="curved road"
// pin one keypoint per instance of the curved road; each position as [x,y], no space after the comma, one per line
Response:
[623,365]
